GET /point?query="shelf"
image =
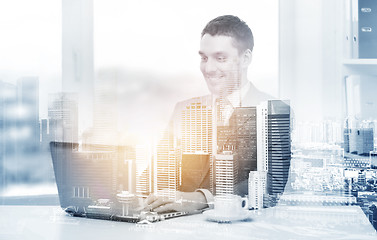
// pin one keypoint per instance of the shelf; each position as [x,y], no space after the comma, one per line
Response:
[359,67]
[360,61]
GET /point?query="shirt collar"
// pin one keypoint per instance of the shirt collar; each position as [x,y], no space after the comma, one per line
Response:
[236,97]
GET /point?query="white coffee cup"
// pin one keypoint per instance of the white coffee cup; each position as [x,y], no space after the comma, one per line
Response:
[229,204]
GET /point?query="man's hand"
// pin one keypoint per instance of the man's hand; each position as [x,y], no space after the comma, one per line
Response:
[185,202]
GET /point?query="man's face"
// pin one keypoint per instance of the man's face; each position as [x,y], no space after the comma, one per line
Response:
[220,64]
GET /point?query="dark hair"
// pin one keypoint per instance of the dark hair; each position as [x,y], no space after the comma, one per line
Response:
[232,26]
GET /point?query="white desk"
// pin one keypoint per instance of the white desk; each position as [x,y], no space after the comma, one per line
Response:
[283,222]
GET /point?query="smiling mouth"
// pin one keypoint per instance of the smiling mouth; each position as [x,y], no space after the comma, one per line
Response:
[214,79]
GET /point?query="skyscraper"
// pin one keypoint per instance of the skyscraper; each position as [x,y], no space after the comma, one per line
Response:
[8,104]
[225,164]
[196,128]
[226,138]
[237,138]
[195,131]
[226,176]
[63,117]
[167,168]
[44,135]
[19,115]
[194,171]
[361,141]
[129,165]
[28,114]
[244,127]
[144,170]
[77,56]
[19,128]
[346,136]
[105,123]
[275,143]
[262,136]
[257,188]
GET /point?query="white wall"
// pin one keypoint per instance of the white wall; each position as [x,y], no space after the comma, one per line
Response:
[310,51]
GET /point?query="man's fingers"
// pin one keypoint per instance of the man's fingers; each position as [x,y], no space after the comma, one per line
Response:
[159,202]
[166,208]
[150,199]
[153,202]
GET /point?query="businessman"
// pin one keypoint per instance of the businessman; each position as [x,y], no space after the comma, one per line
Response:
[226,53]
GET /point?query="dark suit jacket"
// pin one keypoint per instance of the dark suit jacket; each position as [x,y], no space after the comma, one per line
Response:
[191,182]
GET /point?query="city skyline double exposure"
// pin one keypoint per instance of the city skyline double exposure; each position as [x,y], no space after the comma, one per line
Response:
[117,110]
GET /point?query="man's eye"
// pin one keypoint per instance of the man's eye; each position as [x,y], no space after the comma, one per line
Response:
[221,59]
[204,59]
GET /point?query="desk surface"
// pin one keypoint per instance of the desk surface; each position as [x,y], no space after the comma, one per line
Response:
[282,222]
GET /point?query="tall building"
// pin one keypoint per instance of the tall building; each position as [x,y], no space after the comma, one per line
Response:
[226,140]
[167,167]
[8,104]
[360,140]
[373,214]
[63,117]
[19,115]
[361,178]
[346,136]
[194,171]
[262,137]
[19,128]
[128,164]
[9,118]
[257,188]
[275,142]
[77,56]
[225,163]
[195,131]
[196,126]
[244,127]
[238,138]
[44,135]
[105,123]
[28,114]
[144,170]
[226,176]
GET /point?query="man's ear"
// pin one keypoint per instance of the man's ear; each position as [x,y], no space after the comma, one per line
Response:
[247,57]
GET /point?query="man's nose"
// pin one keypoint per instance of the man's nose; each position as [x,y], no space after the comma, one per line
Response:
[210,66]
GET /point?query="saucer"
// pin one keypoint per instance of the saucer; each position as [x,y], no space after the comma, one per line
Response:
[215,216]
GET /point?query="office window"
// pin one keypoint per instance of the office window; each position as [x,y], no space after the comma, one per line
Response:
[30,70]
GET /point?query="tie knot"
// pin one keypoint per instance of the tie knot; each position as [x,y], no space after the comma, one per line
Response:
[224,109]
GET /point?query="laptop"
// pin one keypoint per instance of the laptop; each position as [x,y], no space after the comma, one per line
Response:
[92,182]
